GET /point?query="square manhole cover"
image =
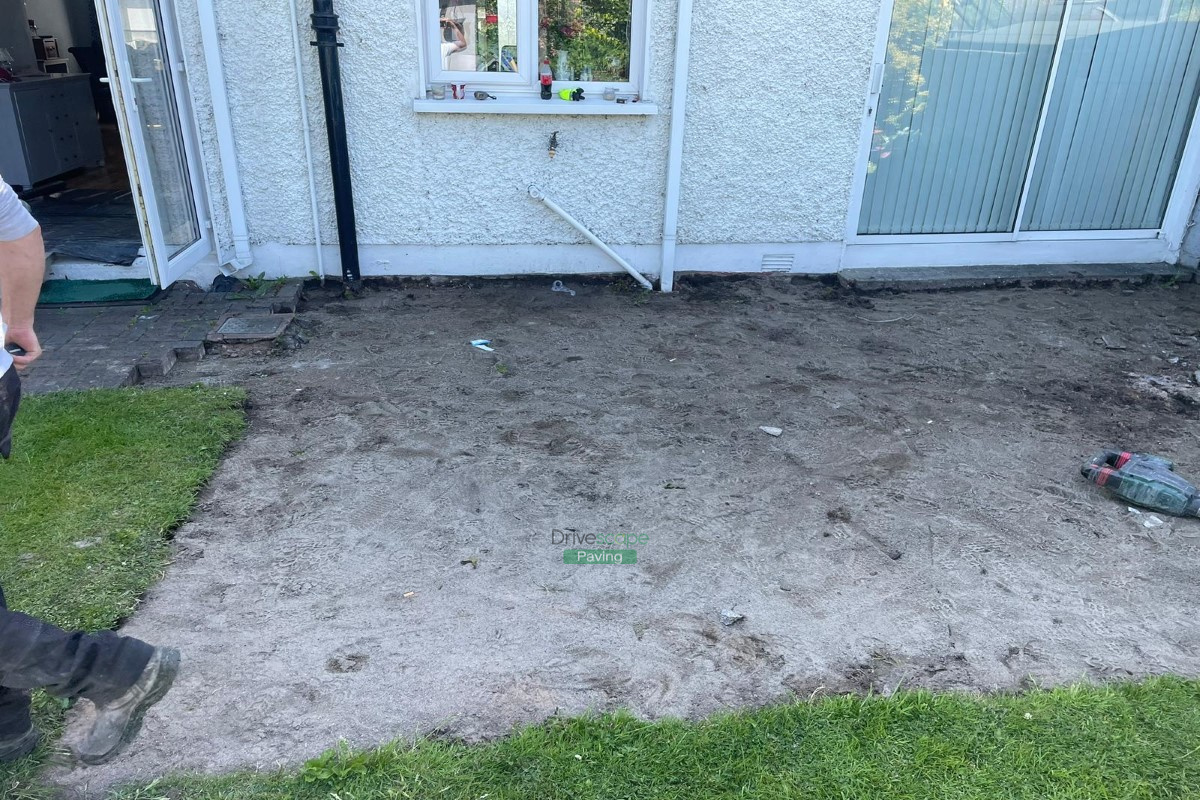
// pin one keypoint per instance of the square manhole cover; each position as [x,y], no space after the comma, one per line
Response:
[250,327]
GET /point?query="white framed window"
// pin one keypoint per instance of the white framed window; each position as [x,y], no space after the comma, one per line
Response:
[500,45]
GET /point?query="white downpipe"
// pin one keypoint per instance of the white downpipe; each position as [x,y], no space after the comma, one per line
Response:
[226,144]
[537,194]
[306,127]
[679,94]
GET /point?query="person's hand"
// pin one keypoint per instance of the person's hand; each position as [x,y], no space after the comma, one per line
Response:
[27,340]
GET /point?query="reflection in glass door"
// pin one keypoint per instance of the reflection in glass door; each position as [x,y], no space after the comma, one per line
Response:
[1122,104]
[154,96]
[957,115]
[997,116]
[149,93]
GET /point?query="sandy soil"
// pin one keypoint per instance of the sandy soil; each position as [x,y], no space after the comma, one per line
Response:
[377,559]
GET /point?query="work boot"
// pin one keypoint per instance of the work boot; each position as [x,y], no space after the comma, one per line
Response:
[118,722]
[14,748]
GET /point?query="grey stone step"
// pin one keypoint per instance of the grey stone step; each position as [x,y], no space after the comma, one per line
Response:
[927,279]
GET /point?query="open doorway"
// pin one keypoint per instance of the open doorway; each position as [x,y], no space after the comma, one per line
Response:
[60,145]
[115,201]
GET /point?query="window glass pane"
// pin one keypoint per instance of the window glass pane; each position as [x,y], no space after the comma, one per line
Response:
[478,36]
[963,87]
[1124,98]
[586,40]
[154,93]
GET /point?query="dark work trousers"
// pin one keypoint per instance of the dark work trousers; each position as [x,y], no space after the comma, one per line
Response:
[35,655]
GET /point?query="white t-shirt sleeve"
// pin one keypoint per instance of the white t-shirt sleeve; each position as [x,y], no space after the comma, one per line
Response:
[15,221]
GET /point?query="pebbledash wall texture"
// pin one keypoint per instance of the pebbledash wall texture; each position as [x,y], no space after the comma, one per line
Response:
[187,17]
[776,94]
[765,161]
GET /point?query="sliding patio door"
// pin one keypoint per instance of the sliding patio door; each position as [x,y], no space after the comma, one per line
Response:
[1000,118]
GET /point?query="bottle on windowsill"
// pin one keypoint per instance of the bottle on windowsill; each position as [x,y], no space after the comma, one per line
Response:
[546,78]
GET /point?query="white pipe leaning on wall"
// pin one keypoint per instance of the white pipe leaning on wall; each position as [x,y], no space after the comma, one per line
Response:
[537,194]
[226,144]
[679,92]
[306,127]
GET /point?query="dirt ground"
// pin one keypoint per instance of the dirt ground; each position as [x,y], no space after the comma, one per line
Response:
[378,557]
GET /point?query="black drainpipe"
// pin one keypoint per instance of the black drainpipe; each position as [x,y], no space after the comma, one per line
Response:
[325,24]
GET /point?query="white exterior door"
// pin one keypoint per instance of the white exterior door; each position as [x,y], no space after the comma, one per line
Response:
[154,114]
[1029,120]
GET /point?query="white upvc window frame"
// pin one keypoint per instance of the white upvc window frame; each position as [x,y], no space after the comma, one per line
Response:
[524,82]
[493,81]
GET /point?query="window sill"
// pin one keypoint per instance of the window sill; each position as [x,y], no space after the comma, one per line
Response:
[536,106]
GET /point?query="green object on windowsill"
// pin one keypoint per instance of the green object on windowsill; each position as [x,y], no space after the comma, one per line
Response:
[571,94]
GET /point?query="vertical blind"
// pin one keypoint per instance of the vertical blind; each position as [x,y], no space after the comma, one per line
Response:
[966,83]
[956,118]
[1119,115]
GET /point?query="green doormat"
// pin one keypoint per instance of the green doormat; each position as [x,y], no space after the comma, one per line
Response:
[85,292]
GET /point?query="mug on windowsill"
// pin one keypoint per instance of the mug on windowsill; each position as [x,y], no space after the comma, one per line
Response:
[438,91]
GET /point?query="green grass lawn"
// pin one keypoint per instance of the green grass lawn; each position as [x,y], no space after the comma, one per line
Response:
[1125,741]
[95,482]
[98,478]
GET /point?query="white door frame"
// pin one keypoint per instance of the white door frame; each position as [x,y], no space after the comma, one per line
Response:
[1148,245]
[164,267]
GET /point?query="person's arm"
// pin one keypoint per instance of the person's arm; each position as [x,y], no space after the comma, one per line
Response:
[460,38]
[22,268]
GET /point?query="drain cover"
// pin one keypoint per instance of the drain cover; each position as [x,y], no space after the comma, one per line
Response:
[250,327]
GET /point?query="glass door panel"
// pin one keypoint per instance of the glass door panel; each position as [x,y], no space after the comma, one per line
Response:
[1123,101]
[964,82]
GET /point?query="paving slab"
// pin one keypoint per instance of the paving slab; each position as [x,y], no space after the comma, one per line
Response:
[250,327]
[110,346]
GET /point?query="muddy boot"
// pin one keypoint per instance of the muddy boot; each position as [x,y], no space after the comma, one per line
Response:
[13,748]
[18,738]
[118,722]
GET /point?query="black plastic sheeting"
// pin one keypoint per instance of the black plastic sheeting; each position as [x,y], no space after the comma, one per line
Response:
[97,225]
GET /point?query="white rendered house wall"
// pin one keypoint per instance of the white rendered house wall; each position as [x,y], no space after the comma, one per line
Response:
[776,96]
